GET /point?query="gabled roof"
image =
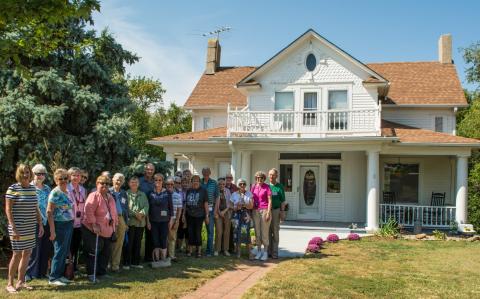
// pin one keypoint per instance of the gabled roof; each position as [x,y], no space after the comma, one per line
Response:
[311,33]
[421,83]
[217,90]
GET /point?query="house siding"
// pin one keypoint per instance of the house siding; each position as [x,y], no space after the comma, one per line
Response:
[421,117]
[218,118]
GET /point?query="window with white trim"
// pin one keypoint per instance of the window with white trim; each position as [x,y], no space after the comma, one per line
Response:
[207,123]
[284,102]
[438,123]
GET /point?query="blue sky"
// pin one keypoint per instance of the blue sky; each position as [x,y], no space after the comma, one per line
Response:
[167,34]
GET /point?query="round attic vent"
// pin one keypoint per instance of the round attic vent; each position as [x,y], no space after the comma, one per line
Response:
[311,62]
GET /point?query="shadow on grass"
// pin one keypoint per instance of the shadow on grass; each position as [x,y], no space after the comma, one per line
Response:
[186,268]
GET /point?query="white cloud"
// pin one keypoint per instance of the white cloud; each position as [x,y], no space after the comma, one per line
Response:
[173,65]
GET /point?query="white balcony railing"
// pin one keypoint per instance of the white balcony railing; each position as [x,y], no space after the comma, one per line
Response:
[428,216]
[334,122]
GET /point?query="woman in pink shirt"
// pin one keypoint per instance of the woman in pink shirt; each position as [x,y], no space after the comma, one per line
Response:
[262,199]
[100,219]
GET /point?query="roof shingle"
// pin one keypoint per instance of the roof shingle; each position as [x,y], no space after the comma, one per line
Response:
[219,89]
[421,83]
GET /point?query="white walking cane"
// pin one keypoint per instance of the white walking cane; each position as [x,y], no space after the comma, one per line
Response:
[95,263]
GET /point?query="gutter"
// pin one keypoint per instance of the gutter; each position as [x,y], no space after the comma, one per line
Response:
[303,140]
[439,144]
[424,105]
[183,141]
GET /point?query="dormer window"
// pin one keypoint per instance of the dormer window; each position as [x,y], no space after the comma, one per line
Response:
[311,62]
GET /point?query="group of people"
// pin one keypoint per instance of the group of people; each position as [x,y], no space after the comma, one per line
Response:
[109,223]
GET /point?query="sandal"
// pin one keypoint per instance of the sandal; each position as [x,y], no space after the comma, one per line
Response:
[11,289]
[23,285]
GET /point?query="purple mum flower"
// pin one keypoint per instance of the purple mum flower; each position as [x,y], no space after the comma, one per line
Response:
[313,248]
[353,237]
[316,240]
[333,238]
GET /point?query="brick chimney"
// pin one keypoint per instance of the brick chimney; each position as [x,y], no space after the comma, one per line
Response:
[213,56]
[445,48]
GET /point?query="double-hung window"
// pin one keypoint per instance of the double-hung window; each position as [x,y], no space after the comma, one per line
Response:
[337,103]
[310,105]
[284,102]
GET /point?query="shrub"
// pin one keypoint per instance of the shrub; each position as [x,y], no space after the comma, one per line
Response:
[353,237]
[316,240]
[439,235]
[389,229]
[333,238]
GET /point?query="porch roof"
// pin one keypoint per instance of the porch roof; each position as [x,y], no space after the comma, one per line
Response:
[411,135]
[399,133]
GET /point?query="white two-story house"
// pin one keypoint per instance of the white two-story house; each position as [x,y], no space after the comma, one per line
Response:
[353,142]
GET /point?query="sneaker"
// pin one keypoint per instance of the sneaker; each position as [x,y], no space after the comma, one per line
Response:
[28,278]
[137,266]
[227,253]
[57,283]
[264,256]
[259,255]
[90,278]
[126,267]
[215,253]
[65,280]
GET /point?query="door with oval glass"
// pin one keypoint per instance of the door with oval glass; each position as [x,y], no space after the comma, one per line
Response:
[309,207]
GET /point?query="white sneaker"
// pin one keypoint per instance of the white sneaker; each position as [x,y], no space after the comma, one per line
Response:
[126,267]
[137,266]
[215,253]
[57,283]
[264,256]
[227,253]
[259,255]
[64,279]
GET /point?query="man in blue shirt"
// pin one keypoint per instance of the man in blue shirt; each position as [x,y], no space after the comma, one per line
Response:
[211,186]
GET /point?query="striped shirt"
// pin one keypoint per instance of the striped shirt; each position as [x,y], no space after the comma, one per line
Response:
[24,212]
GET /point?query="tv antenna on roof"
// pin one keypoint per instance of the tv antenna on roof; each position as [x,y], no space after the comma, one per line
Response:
[217,32]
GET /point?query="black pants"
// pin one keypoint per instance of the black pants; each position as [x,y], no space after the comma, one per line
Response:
[132,253]
[38,263]
[103,251]
[75,245]
[182,233]
[194,226]
[159,234]
[147,257]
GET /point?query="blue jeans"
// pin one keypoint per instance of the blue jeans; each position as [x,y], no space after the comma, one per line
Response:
[61,248]
[210,232]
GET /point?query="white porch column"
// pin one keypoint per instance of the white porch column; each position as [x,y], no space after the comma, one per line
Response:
[372,191]
[246,162]
[171,158]
[234,162]
[461,190]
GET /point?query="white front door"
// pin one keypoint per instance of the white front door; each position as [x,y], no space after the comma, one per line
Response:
[310,194]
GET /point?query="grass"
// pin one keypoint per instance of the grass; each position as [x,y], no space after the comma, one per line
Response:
[373,268]
[172,282]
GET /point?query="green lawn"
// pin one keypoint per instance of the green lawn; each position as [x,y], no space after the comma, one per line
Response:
[373,268]
[181,278]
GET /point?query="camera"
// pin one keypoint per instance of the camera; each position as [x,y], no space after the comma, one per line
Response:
[78,214]
[110,222]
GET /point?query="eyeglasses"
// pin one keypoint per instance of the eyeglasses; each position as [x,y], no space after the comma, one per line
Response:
[160,180]
[168,184]
[178,182]
[242,184]
[102,183]
[63,178]
[40,174]
[260,177]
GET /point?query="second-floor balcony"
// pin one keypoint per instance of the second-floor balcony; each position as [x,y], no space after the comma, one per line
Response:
[345,122]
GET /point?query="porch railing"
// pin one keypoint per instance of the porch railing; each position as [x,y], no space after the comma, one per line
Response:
[428,216]
[339,122]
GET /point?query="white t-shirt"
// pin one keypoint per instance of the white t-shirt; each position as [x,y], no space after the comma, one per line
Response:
[248,197]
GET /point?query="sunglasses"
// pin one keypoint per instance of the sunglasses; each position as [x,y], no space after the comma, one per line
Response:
[242,184]
[178,182]
[63,178]
[102,183]
[40,174]
[229,178]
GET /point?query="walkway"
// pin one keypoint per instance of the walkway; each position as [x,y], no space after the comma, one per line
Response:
[233,283]
[294,237]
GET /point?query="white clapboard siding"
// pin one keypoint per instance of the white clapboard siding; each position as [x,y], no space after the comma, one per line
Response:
[421,118]
[334,207]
